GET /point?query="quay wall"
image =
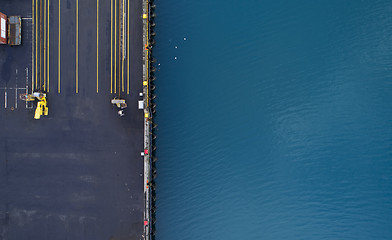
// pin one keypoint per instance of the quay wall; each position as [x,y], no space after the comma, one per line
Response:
[149,110]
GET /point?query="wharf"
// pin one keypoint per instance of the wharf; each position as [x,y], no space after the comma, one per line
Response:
[77,173]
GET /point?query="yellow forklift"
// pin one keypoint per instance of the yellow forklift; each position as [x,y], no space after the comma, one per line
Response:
[42,105]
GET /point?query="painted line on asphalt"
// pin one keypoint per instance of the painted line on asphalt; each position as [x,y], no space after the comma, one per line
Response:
[16,97]
[32,43]
[19,88]
[16,88]
[115,45]
[77,46]
[119,49]
[36,45]
[123,42]
[59,54]
[45,45]
[111,46]
[97,41]
[48,48]
[128,49]
[40,46]
[27,82]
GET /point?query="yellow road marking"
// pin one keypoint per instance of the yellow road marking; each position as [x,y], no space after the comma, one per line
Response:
[111,46]
[48,46]
[58,54]
[36,45]
[119,49]
[32,45]
[128,51]
[97,39]
[77,46]
[115,45]
[45,45]
[122,71]
[123,42]
[40,47]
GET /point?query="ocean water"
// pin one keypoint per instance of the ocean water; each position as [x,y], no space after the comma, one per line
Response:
[274,119]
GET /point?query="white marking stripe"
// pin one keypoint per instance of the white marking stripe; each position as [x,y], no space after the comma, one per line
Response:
[16,98]
[16,89]
[27,82]
[19,88]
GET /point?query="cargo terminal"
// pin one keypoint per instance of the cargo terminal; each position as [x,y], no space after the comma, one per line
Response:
[76,117]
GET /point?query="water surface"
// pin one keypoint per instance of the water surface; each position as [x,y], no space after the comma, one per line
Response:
[274,119]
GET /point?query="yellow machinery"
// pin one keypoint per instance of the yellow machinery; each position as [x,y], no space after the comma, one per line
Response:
[120,103]
[42,106]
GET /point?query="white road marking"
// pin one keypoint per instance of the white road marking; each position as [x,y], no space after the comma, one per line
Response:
[16,90]
[19,88]
[27,82]
[5,99]
[16,98]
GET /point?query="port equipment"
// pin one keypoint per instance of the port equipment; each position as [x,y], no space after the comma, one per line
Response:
[120,103]
[10,30]
[42,108]
[42,105]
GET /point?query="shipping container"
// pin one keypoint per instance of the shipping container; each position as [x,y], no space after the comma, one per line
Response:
[3,28]
[14,30]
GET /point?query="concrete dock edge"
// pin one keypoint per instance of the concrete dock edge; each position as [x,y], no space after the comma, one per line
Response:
[147,123]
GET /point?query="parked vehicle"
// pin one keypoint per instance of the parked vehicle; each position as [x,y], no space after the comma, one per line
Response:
[10,30]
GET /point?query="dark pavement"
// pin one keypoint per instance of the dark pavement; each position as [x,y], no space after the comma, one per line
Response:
[77,173]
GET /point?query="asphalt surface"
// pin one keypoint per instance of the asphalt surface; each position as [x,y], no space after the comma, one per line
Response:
[77,173]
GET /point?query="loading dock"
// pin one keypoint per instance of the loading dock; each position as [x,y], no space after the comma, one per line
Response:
[76,173]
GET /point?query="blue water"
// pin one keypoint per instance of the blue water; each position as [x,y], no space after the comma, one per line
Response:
[274,119]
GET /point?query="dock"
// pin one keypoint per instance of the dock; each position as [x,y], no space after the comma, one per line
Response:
[149,184]
[83,171]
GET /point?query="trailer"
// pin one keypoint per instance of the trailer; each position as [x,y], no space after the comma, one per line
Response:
[10,30]
[14,30]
